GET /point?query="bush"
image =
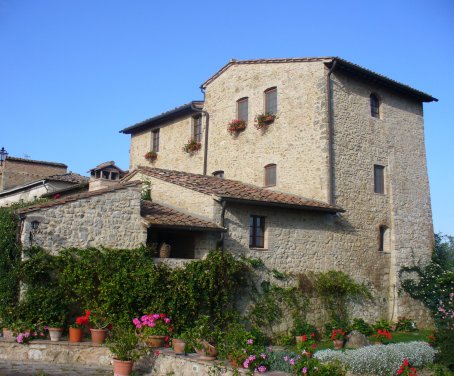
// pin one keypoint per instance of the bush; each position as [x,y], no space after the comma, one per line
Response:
[362,326]
[381,360]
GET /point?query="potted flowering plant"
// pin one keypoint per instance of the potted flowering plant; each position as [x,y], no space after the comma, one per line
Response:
[75,330]
[151,156]
[192,146]
[406,370]
[99,322]
[236,126]
[257,363]
[382,336]
[203,337]
[338,336]
[124,345]
[55,329]
[263,120]
[154,329]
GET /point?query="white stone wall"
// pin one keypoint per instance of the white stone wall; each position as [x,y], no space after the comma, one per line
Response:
[32,193]
[111,220]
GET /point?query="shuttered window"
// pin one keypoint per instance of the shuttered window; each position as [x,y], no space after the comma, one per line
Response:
[270,175]
[242,109]
[197,129]
[271,101]
[156,140]
[374,106]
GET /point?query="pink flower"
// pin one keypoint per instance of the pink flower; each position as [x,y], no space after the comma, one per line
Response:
[285,358]
[263,356]
[305,370]
[167,320]
[20,338]
[246,363]
[261,369]
[250,341]
[156,316]
[292,361]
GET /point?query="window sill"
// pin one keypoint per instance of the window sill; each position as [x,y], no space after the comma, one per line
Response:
[258,249]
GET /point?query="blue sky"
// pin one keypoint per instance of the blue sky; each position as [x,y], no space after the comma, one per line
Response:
[73,73]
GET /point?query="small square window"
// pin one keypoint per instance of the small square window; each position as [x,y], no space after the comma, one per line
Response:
[256,231]
[379,179]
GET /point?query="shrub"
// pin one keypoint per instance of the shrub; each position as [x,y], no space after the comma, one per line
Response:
[362,326]
[381,360]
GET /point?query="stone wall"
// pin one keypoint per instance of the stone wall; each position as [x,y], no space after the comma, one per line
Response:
[110,219]
[172,137]
[396,141]
[32,194]
[14,173]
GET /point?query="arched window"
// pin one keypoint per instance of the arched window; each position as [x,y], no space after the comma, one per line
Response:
[270,175]
[271,100]
[374,106]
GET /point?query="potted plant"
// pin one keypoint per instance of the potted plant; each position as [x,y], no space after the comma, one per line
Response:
[75,330]
[179,345]
[99,321]
[236,343]
[192,146]
[55,329]
[203,338]
[263,120]
[154,329]
[151,156]
[338,336]
[124,346]
[236,126]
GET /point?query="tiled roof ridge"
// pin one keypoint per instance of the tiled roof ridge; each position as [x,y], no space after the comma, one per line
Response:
[26,160]
[77,176]
[79,196]
[162,174]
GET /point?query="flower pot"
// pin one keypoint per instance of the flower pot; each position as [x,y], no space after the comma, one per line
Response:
[164,251]
[75,334]
[233,362]
[122,367]
[55,334]
[207,352]
[98,336]
[155,341]
[298,339]
[7,334]
[338,344]
[179,346]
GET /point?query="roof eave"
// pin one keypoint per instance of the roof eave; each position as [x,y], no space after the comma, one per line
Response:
[186,228]
[332,210]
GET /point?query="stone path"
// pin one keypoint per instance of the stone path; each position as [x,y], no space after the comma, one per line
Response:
[15,368]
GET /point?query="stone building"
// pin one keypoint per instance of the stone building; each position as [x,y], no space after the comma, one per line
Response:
[329,172]
[18,171]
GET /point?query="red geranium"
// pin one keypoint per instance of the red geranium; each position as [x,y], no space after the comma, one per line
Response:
[82,320]
[406,370]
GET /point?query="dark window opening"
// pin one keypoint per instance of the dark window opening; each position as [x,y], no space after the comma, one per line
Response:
[197,129]
[113,176]
[374,106]
[219,174]
[242,109]
[379,179]
[271,101]
[383,242]
[35,225]
[256,231]
[105,174]
[155,140]
[182,243]
[270,175]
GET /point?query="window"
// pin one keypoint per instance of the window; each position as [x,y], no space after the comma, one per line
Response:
[270,175]
[379,179]
[256,231]
[384,239]
[374,106]
[155,146]
[219,174]
[34,225]
[197,129]
[271,100]
[242,109]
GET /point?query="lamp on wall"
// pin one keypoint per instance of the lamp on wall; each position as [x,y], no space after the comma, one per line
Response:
[3,155]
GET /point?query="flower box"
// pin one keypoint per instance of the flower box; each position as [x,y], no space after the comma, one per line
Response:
[192,146]
[151,156]
[262,121]
[236,126]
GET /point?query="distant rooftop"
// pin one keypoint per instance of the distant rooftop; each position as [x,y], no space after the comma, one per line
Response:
[34,161]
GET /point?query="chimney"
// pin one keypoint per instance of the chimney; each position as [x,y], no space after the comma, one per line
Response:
[105,175]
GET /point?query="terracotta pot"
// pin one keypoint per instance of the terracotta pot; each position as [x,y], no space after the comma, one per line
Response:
[7,334]
[298,339]
[122,367]
[98,336]
[155,341]
[179,346]
[232,361]
[55,334]
[207,352]
[75,334]
[338,344]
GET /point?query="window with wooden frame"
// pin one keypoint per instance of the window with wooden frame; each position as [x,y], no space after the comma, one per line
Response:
[271,100]
[256,231]
[197,128]
[270,175]
[379,179]
[374,106]
[155,141]
[242,109]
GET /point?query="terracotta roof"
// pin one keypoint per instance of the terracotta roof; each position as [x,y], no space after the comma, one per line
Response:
[80,196]
[176,113]
[158,215]
[345,65]
[107,164]
[232,190]
[70,177]
[26,160]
